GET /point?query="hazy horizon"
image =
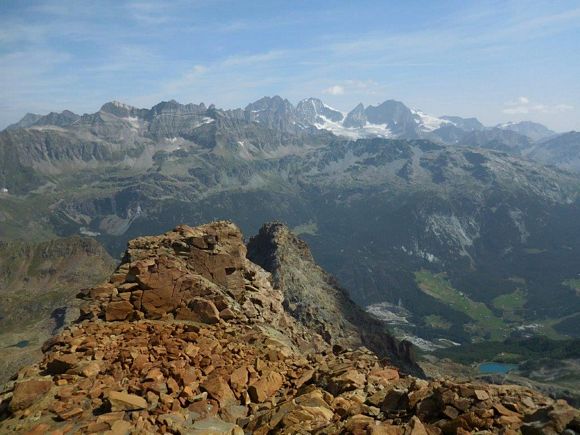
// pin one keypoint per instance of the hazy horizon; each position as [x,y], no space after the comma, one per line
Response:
[499,61]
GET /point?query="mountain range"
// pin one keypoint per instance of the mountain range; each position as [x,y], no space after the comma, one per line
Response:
[448,229]
[390,119]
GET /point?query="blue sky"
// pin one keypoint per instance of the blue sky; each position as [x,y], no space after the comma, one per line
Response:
[497,60]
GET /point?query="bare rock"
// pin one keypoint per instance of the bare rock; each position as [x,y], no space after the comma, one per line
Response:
[119,310]
[219,390]
[205,310]
[28,392]
[121,401]
[265,387]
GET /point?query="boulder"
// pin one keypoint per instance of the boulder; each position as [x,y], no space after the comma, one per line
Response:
[119,310]
[219,390]
[61,363]
[28,392]
[121,401]
[205,310]
[265,387]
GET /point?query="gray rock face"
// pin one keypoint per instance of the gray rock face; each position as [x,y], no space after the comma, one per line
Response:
[27,121]
[122,110]
[271,122]
[497,139]
[312,111]
[532,130]
[562,151]
[314,298]
[356,117]
[466,124]
[62,119]
[395,115]
[273,112]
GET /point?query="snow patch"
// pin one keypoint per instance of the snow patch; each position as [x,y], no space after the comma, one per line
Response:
[369,130]
[428,122]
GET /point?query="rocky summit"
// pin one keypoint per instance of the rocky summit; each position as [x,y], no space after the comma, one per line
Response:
[188,336]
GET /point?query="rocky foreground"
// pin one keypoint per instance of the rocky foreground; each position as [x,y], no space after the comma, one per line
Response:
[190,337]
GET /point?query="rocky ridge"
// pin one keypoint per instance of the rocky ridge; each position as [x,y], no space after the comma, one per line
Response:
[315,299]
[189,336]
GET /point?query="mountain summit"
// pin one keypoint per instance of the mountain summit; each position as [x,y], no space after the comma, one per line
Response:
[190,337]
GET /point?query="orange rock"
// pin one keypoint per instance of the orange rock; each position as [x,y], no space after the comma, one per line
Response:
[59,364]
[40,429]
[74,412]
[239,378]
[121,401]
[502,410]
[386,374]
[415,427]
[265,387]
[118,310]
[219,389]
[154,375]
[104,291]
[205,310]
[97,427]
[28,392]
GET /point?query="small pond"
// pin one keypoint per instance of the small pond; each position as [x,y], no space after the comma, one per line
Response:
[21,344]
[496,367]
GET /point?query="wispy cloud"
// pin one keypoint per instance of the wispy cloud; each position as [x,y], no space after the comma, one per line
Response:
[334,90]
[149,12]
[523,105]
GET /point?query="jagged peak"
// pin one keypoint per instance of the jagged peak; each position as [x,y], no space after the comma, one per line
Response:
[267,102]
[122,110]
[26,121]
[391,101]
[117,105]
[173,107]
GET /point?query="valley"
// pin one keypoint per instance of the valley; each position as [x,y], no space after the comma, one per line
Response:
[452,242]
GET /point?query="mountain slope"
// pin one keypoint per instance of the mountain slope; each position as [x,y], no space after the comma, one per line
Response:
[562,151]
[188,336]
[481,217]
[38,285]
[533,130]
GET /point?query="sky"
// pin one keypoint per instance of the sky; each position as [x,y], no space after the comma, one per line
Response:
[500,61]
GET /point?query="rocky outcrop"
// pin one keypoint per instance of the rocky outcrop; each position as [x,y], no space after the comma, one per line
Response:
[190,274]
[316,300]
[190,337]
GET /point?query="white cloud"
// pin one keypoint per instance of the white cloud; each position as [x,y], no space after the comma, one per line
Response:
[252,59]
[334,90]
[523,105]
